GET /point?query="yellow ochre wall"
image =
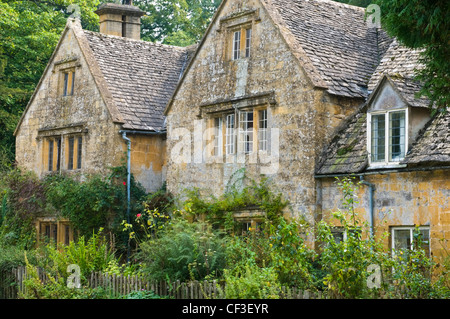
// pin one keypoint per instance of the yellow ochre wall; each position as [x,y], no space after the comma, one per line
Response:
[400,199]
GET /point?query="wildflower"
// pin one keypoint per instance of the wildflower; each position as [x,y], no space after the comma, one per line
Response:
[124,183]
[138,215]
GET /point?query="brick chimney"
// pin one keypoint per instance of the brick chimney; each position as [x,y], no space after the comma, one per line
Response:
[123,20]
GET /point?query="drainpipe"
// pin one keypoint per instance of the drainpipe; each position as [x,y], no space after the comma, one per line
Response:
[128,141]
[371,191]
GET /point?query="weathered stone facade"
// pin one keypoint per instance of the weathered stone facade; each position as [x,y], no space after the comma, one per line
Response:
[400,199]
[281,88]
[84,113]
[273,77]
[319,71]
[95,89]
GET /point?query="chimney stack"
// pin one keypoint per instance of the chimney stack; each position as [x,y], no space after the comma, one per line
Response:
[123,20]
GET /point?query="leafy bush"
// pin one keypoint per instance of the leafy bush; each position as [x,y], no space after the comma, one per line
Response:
[142,294]
[184,251]
[22,197]
[290,256]
[346,262]
[251,282]
[55,287]
[90,255]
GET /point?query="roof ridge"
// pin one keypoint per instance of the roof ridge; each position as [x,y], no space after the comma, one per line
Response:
[99,34]
[340,4]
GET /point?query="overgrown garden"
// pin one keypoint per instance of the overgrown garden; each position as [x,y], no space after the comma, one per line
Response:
[195,237]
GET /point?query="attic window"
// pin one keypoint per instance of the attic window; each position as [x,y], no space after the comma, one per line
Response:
[68,82]
[387,137]
[241,42]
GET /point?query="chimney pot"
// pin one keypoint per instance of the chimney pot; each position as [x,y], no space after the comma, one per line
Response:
[120,19]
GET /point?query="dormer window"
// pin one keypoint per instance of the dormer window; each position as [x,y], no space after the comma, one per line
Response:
[387,136]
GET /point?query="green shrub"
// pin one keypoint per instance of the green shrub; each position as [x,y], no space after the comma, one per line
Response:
[142,294]
[251,282]
[55,287]
[346,262]
[90,255]
[22,197]
[291,258]
[184,251]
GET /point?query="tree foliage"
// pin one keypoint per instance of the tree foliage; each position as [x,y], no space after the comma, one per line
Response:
[423,24]
[176,22]
[29,32]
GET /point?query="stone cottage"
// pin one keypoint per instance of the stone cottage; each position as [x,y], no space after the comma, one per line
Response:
[300,91]
[99,93]
[288,89]
[401,153]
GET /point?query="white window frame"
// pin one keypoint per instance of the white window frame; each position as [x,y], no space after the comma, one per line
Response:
[236,53]
[246,136]
[233,134]
[411,234]
[263,130]
[230,138]
[218,136]
[387,162]
[248,42]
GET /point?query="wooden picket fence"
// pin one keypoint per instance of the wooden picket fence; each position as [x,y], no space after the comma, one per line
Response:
[116,285]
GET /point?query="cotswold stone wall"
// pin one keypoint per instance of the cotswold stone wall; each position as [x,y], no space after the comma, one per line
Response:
[400,199]
[51,113]
[304,116]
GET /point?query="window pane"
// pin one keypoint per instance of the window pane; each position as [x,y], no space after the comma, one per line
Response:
[248,37]
[218,136]
[396,136]
[71,147]
[247,131]
[262,131]
[50,155]
[80,149]
[378,138]
[402,239]
[236,45]
[66,83]
[58,163]
[73,83]
[229,134]
[338,236]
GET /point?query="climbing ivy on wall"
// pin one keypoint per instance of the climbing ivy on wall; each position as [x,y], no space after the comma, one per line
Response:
[241,193]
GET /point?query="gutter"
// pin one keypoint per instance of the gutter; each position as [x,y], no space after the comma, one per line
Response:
[387,171]
[128,141]
[142,132]
[372,186]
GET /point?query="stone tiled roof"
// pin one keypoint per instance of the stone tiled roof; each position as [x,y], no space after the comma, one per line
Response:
[400,64]
[347,151]
[141,76]
[337,41]
[433,145]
